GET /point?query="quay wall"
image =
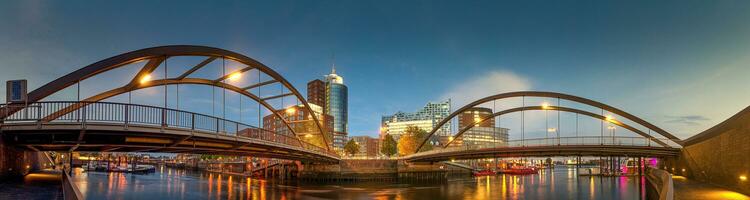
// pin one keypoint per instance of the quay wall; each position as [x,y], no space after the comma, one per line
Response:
[719,155]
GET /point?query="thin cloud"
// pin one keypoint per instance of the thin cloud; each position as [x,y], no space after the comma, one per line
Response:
[691,120]
[487,84]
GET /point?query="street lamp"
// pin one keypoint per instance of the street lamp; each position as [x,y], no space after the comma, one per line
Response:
[290,110]
[545,106]
[235,76]
[145,78]
[609,118]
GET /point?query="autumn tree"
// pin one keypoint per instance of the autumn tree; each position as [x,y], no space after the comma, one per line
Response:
[351,147]
[388,147]
[411,139]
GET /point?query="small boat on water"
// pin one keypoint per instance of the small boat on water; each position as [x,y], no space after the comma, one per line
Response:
[484,173]
[143,169]
[519,170]
[127,169]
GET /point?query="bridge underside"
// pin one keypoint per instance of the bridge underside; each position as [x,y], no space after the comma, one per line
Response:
[546,151]
[103,137]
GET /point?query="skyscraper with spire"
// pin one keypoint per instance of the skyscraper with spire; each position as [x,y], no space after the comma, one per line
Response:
[334,103]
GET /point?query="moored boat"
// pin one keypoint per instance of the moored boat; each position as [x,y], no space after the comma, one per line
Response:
[520,170]
[484,173]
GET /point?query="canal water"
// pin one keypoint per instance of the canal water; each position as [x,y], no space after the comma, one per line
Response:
[169,183]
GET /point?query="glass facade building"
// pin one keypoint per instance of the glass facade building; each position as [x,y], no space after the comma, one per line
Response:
[337,106]
[426,119]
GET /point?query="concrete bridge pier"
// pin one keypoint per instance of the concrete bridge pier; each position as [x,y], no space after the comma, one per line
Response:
[15,161]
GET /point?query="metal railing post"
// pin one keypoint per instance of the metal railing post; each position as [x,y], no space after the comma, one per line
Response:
[83,119]
[127,115]
[39,116]
[163,118]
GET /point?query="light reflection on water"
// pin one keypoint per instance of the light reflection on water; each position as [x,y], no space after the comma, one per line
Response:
[167,183]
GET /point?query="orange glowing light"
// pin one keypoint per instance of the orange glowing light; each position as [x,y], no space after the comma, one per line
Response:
[743,178]
[609,118]
[291,110]
[545,105]
[145,78]
[235,76]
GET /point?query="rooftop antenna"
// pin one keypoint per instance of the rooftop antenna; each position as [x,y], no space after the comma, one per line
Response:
[333,63]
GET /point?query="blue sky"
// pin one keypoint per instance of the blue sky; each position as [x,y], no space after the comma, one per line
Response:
[683,65]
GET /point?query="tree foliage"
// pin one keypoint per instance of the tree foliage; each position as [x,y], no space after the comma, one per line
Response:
[351,147]
[388,147]
[411,139]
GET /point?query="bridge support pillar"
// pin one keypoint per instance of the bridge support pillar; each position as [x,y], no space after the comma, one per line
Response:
[16,161]
[640,166]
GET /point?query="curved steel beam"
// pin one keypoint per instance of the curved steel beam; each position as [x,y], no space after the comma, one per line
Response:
[564,109]
[155,83]
[551,95]
[154,54]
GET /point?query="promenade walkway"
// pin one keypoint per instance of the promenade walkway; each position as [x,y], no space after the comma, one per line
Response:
[686,189]
[44,185]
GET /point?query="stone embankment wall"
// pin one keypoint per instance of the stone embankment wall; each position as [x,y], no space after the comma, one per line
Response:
[380,170]
[719,155]
[17,162]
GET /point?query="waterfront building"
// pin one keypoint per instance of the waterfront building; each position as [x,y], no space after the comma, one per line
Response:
[484,134]
[302,123]
[368,146]
[426,119]
[335,103]
[316,93]
[337,106]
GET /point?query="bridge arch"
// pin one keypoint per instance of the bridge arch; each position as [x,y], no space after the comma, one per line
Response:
[563,96]
[564,109]
[154,57]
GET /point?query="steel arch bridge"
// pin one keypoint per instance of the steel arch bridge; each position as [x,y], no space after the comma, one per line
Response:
[149,128]
[645,145]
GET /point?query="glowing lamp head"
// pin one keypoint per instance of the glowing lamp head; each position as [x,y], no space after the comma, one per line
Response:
[609,118]
[145,78]
[551,129]
[291,110]
[235,76]
[308,135]
[743,178]
[545,105]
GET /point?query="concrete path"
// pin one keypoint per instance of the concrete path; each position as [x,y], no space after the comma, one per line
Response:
[40,185]
[688,189]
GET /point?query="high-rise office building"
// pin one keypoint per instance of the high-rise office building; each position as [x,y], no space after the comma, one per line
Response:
[332,95]
[316,93]
[337,106]
[484,134]
[426,119]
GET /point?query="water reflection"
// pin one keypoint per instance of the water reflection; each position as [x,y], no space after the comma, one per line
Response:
[167,183]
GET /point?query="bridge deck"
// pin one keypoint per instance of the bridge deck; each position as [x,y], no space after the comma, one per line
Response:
[102,136]
[543,151]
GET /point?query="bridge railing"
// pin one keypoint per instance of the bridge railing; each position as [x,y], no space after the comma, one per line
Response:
[554,141]
[583,140]
[131,114]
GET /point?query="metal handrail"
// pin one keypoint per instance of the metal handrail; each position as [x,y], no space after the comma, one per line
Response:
[69,189]
[133,114]
[554,141]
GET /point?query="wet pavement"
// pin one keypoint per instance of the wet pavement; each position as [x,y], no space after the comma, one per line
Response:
[44,185]
[686,189]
